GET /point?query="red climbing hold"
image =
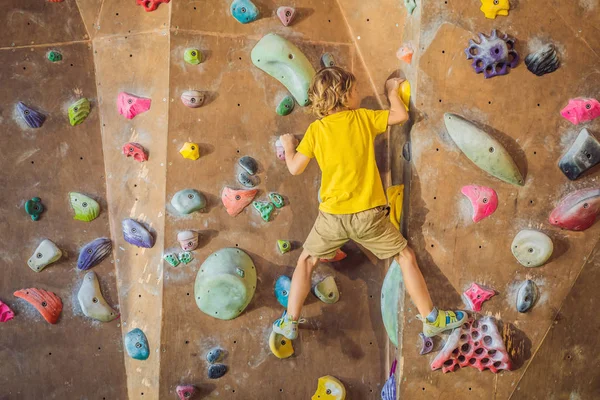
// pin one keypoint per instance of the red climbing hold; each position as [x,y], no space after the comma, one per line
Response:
[484,200]
[186,392]
[55,1]
[129,105]
[236,200]
[476,344]
[150,5]
[577,211]
[6,314]
[135,150]
[476,295]
[339,256]
[47,303]
[286,15]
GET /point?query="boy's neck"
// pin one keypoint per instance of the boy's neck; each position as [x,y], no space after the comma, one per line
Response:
[338,110]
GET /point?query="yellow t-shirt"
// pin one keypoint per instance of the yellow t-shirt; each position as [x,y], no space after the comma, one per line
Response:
[343,144]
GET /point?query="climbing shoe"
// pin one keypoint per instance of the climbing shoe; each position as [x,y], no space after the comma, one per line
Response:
[286,326]
[446,320]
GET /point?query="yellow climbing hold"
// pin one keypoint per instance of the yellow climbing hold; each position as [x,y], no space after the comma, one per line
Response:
[395,195]
[329,388]
[191,151]
[280,346]
[492,8]
[404,92]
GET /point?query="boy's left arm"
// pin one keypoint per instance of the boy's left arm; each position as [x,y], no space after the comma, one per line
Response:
[295,161]
[398,114]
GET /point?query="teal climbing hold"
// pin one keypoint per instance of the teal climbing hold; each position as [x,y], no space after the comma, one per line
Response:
[225,283]
[286,106]
[171,259]
[187,201]
[136,345]
[276,199]
[34,208]
[244,11]
[390,296]
[79,111]
[186,257]
[265,209]
[410,6]
[54,56]
[192,56]
[282,290]
[285,62]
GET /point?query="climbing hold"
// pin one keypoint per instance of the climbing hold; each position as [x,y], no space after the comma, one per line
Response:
[493,8]
[186,392]
[493,55]
[485,151]
[192,56]
[33,118]
[249,164]
[327,60]
[150,5]
[426,344]
[191,151]
[225,283]
[285,62]
[475,344]
[583,155]
[91,300]
[129,105]
[136,344]
[280,346]
[45,254]
[54,56]
[86,209]
[265,209]
[284,246]
[276,199]
[286,15]
[406,151]
[188,240]
[136,234]
[279,150]
[236,200]
[286,106]
[388,392]
[187,201]
[6,314]
[578,210]
[244,11]
[329,388]
[405,53]
[215,355]
[34,208]
[192,98]
[532,248]
[581,110]
[216,371]
[246,180]
[186,257]
[327,290]
[92,253]
[171,259]
[395,195]
[135,150]
[543,61]
[79,111]
[47,303]
[410,6]
[404,92]
[484,200]
[282,290]
[339,256]
[475,295]
[527,296]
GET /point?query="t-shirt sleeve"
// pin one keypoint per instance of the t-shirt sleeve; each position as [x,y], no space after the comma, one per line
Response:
[377,120]
[307,144]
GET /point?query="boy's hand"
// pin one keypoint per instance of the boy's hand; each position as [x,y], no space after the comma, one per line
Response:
[288,141]
[392,85]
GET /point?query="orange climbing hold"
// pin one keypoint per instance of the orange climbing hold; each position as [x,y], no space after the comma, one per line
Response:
[47,303]
[236,200]
[405,53]
[339,256]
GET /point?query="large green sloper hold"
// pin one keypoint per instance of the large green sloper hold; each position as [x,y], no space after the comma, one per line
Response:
[485,151]
[390,297]
[285,62]
[225,283]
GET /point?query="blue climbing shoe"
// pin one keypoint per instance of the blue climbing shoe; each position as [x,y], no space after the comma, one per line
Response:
[446,320]
[286,326]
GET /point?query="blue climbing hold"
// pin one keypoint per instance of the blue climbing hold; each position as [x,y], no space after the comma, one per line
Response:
[244,11]
[282,289]
[136,345]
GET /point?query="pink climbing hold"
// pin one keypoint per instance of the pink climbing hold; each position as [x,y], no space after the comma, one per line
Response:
[280,150]
[405,53]
[476,344]
[286,15]
[581,110]
[476,295]
[130,105]
[186,392]
[483,199]
[150,5]
[6,314]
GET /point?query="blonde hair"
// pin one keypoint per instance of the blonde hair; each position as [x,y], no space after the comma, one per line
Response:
[330,90]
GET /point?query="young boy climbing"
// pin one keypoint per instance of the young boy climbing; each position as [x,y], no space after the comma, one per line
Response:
[353,202]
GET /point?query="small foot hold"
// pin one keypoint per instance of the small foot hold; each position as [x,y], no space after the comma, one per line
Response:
[249,165]
[188,240]
[189,150]
[33,118]
[136,345]
[186,257]
[280,346]
[327,290]
[216,371]
[136,234]
[192,98]
[329,388]
[244,11]
[215,355]
[339,256]
[581,110]
[45,254]
[47,303]
[34,208]
[426,344]
[265,209]
[85,208]
[276,199]
[187,201]
[172,259]
[54,56]
[187,392]
[286,15]
[6,314]
[527,296]
[92,253]
[129,105]
[405,53]
[135,150]
[282,290]
[92,302]
[236,200]
[193,56]
[327,60]
[284,246]
[286,106]
[475,295]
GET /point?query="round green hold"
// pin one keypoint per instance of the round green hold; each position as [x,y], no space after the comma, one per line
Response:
[285,106]
[34,208]
[54,56]
[193,56]
[225,283]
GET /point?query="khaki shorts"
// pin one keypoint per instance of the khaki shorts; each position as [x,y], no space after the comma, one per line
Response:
[371,229]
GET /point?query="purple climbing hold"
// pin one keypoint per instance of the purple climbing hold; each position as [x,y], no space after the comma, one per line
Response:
[493,55]
[389,389]
[426,344]
[33,118]
[92,253]
[135,234]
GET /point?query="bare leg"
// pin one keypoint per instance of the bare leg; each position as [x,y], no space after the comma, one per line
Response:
[414,281]
[300,284]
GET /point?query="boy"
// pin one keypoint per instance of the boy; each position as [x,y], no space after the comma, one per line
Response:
[352,196]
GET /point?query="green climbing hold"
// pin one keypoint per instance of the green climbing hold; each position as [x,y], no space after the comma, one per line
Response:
[186,257]
[172,259]
[34,208]
[79,111]
[54,56]
[390,296]
[285,106]
[193,56]
[265,209]
[284,246]
[225,283]
[86,209]
[276,199]
[410,6]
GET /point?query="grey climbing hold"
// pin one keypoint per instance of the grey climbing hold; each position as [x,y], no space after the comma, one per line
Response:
[91,300]
[246,180]
[543,61]
[426,344]
[187,201]
[583,155]
[406,151]
[45,254]
[216,371]
[527,296]
[249,164]
[532,248]
[215,355]
[327,290]
[327,60]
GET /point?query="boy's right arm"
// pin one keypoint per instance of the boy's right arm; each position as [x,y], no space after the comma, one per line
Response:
[295,161]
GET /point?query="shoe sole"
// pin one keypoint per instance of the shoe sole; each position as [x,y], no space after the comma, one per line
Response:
[431,332]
